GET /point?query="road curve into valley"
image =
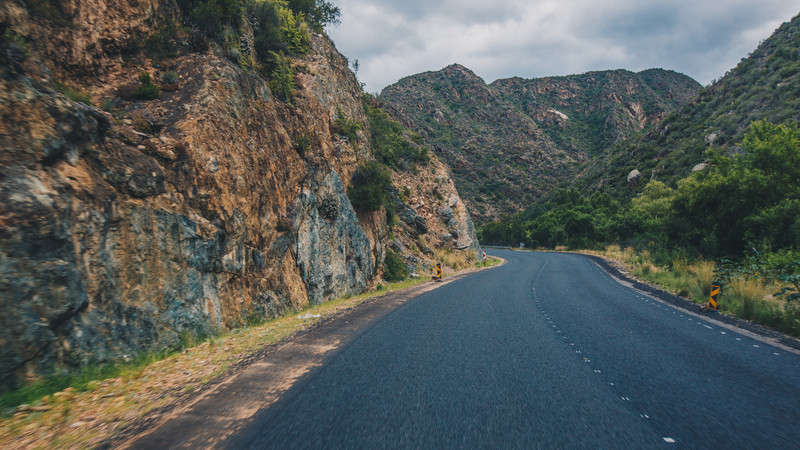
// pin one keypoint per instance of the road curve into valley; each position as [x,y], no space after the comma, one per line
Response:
[546,351]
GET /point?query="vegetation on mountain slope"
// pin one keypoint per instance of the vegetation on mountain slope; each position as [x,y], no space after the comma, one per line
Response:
[513,141]
[743,196]
[763,86]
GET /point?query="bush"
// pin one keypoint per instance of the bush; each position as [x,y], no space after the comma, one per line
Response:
[391,143]
[211,16]
[318,12]
[266,25]
[367,191]
[282,81]
[169,77]
[74,94]
[329,208]
[158,45]
[295,32]
[147,90]
[302,144]
[394,269]
[345,126]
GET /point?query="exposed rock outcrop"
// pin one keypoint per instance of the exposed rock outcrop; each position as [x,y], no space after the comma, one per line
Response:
[633,178]
[124,231]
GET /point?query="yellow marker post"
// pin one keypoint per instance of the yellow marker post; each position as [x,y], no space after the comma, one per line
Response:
[712,299]
[438,276]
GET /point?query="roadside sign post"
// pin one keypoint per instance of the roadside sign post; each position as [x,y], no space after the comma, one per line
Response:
[716,286]
[483,256]
[438,276]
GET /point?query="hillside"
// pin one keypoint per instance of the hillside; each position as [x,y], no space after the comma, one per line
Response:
[175,169]
[591,112]
[514,140]
[765,85]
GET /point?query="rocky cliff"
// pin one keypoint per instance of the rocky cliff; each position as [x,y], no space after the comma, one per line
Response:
[514,140]
[126,228]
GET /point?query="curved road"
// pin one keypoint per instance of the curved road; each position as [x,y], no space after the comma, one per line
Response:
[545,351]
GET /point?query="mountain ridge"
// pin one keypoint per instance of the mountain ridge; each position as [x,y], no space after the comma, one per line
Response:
[510,141]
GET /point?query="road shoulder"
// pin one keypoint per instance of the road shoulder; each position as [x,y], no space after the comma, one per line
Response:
[760,332]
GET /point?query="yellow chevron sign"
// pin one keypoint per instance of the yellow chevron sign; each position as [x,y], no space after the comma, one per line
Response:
[438,276]
[712,299]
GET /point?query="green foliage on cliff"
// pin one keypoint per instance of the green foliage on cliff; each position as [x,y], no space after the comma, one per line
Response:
[281,78]
[212,16]
[392,144]
[73,93]
[346,126]
[367,191]
[394,267]
[318,12]
[280,30]
[147,90]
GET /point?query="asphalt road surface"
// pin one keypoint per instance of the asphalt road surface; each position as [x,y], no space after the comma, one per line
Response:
[547,351]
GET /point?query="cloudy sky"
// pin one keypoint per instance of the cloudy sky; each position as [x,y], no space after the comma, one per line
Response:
[392,39]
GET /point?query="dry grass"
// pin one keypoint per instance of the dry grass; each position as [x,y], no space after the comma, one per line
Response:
[455,260]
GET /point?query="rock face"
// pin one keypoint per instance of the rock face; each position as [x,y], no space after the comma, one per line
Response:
[125,231]
[333,253]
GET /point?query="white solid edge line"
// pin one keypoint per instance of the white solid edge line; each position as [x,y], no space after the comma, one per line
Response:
[735,329]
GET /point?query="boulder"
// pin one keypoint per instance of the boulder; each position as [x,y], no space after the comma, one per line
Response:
[633,178]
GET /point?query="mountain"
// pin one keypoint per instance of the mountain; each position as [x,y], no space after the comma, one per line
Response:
[765,85]
[716,178]
[160,181]
[512,141]
[592,111]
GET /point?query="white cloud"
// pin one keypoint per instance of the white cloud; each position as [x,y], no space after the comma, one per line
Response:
[506,38]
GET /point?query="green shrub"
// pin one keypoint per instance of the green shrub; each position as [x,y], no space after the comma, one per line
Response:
[295,32]
[302,144]
[147,90]
[282,82]
[74,94]
[266,24]
[169,77]
[345,126]
[329,207]
[212,16]
[367,191]
[394,269]
[318,12]
[391,143]
[158,44]
[15,46]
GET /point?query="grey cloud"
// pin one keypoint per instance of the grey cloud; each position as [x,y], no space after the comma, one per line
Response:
[501,39]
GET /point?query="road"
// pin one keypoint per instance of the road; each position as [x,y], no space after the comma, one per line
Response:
[546,351]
